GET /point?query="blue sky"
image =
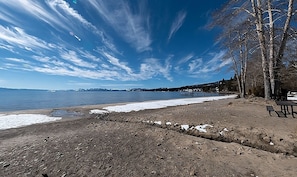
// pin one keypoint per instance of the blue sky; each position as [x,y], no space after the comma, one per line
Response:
[115,44]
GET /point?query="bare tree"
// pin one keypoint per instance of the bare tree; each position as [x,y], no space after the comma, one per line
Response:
[238,52]
[257,13]
[236,38]
[271,21]
[254,77]
[276,52]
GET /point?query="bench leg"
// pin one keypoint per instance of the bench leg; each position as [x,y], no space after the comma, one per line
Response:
[292,111]
[284,110]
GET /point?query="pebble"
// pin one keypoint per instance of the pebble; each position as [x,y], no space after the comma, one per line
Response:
[192,173]
[153,172]
[6,165]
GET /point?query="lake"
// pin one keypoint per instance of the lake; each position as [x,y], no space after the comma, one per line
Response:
[13,100]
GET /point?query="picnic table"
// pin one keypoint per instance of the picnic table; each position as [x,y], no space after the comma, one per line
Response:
[285,107]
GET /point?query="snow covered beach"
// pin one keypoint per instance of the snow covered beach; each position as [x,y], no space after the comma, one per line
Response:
[18,120]
[190,140]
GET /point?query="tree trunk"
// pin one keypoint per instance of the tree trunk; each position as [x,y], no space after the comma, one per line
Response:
[241,58]
[235,70]
[271,49]
[282,47]
[244,68]
[257,8]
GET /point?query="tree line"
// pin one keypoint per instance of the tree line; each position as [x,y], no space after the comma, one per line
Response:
[260,38]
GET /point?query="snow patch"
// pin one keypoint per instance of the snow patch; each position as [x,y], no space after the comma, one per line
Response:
[162,103]
[202,128]
[224,130]
[98,111]
[184,127]
[168,123]
[20,120]
[158,122]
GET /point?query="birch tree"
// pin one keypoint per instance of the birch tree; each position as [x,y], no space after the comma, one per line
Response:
[272,21]
[257,13]
[236,39]
[238,49]
[275,15]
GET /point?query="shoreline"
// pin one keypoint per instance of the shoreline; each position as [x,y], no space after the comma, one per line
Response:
[16,119]
[46,110]
[94,106]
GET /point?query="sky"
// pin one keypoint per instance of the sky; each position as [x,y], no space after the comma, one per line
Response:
[112,44]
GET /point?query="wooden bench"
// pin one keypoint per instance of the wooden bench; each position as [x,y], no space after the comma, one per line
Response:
[271,109]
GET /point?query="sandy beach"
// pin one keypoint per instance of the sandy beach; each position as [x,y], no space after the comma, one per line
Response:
[229,137]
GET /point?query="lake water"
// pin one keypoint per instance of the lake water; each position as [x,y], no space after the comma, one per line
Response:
[13,100]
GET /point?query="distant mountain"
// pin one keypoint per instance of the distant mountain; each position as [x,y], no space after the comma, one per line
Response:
[223,85]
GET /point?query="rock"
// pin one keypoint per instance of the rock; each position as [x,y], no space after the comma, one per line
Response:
[153,172]
[267,139]
[192,173]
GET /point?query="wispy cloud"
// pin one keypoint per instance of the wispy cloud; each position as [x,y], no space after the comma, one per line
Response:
[7,47]
[56,13]
[186,58]
[58,5]
[35,9]
[90,56]
[74,71]
[74,59]
[61,4]
[177,23]
[18,60]
[133,27]
[116,62]
[18,37]
[213,65]
[195,64]
[202,66]
[152,67]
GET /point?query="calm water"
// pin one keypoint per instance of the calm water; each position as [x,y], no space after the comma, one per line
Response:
[12,100]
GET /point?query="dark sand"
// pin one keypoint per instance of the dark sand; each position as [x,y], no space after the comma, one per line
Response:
[120,144]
